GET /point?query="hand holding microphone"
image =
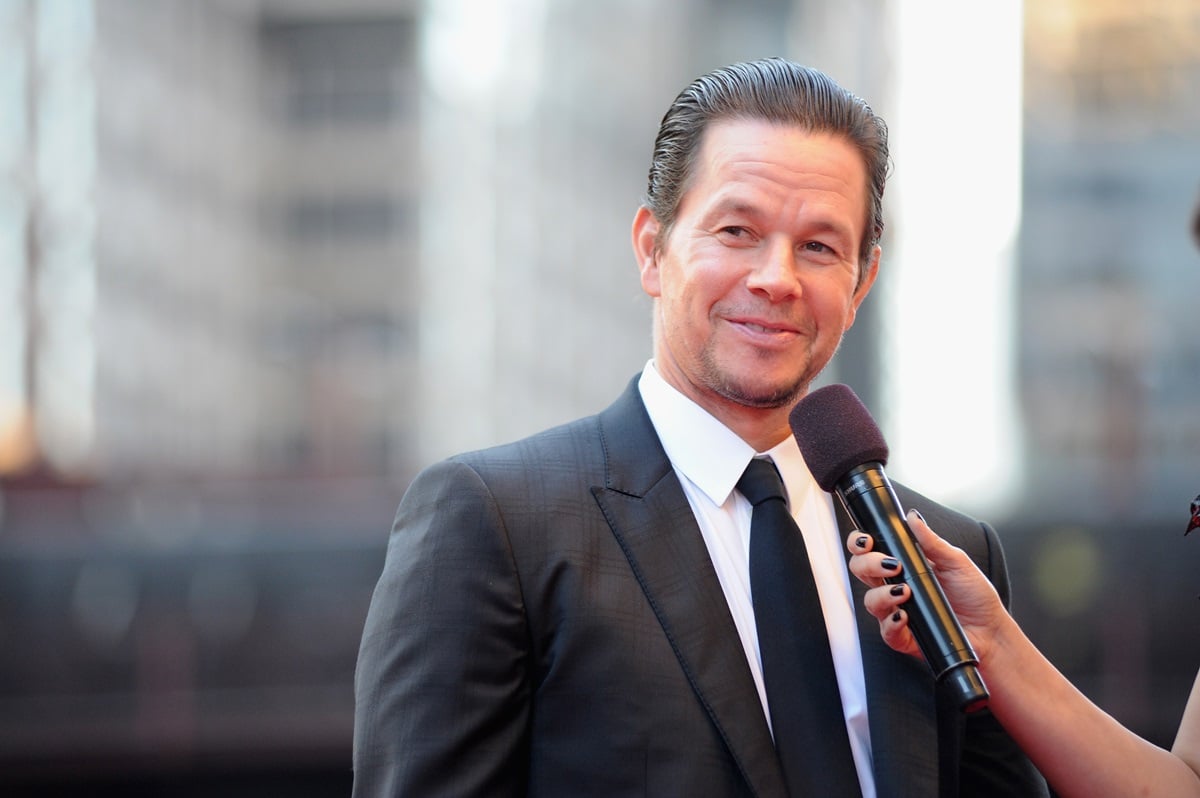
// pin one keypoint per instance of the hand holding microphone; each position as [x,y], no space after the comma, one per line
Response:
[846,453]
[975,600]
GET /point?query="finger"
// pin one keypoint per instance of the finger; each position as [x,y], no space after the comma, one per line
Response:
[896,634]
[930,542]
[859,542]
[883,601]
[874,567]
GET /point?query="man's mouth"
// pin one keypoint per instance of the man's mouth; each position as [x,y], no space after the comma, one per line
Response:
[765,327]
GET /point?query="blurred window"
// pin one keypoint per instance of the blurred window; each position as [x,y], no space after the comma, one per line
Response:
[352,71]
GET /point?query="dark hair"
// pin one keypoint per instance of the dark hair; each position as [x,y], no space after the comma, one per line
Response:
[1196,223]
[773,90]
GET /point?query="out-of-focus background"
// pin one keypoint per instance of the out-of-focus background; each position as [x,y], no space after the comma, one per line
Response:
[262,260]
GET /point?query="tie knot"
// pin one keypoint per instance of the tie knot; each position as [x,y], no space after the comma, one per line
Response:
[760,482]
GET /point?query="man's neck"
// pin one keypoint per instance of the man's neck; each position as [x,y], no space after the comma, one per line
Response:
[762,428]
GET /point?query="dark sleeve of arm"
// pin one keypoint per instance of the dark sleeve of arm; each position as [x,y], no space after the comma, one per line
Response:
[441,690]
[992,764]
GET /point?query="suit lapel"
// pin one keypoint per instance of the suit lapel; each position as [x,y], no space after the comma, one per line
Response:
[654,525]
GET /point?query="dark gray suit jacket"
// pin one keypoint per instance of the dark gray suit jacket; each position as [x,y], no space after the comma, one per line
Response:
[548,623]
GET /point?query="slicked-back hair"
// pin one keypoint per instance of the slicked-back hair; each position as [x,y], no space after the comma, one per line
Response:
[1196,223]
[773,90]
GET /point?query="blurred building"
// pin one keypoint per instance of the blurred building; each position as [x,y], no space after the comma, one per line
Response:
[1109,355]
[217,208]
[208,219]
[340,190]
[260,239]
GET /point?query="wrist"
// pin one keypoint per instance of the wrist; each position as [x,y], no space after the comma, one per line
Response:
[1000,642]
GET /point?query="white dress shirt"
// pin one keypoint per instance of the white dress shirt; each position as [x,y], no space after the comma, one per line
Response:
[709,458]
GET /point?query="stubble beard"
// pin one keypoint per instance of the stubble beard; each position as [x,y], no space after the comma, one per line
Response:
[725,386]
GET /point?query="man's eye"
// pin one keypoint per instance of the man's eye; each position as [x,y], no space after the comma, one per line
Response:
[817,246]
[735,231]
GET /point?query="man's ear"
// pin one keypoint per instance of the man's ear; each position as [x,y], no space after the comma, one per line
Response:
[864,284]
[645,236]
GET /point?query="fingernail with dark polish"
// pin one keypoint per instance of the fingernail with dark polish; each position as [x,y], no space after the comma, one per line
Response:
[896,616]
[897,590]
[861,541]
[890,563]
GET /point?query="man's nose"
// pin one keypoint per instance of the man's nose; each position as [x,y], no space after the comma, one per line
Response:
[775,272]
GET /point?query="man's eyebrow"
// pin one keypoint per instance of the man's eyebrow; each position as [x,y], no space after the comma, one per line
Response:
[736,206]
[825,225]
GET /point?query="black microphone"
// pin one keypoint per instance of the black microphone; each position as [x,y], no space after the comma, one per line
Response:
[845,451]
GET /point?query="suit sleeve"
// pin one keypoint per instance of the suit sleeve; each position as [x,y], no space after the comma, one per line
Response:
[992,763]
[441,687]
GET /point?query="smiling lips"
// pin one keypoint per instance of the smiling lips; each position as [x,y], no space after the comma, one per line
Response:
[763,327]
[766,328]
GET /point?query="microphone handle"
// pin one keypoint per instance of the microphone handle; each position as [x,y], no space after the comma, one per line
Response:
[872,503]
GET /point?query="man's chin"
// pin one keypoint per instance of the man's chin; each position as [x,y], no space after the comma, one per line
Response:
[762,397]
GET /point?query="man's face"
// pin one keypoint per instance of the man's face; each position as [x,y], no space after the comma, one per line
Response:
[759,277]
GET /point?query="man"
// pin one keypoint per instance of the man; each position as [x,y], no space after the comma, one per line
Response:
[571,614]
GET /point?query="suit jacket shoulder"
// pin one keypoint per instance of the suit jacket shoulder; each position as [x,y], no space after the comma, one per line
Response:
[977,538]
[617,448]
[548,622]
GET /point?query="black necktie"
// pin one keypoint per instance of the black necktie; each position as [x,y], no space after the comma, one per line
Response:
[802,689]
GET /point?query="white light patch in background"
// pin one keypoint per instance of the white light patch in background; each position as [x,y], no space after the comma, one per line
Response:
[949,404]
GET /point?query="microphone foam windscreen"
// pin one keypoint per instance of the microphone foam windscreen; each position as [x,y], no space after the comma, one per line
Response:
[836,434]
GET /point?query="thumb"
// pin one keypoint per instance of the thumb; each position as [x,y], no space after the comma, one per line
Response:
[943,556]
[936,549]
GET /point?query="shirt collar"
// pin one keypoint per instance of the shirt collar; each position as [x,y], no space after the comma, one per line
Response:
[703,449]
